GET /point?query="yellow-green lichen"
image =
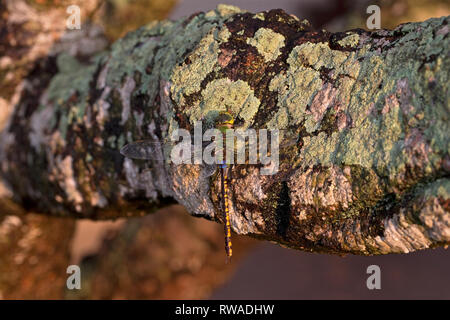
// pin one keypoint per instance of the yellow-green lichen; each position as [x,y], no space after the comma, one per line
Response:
[359,104]
[226,10]
[224,94]
[260,16]
[212,14]
[156,27]
[268,43]
[297,87]
[187,78]
[306,82]
[372,141]
[351,40]
[318,55]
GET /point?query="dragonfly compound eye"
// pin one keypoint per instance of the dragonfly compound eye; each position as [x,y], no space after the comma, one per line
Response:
[225,118]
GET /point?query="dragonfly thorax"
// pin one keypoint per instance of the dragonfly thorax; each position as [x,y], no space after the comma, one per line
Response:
[224,121]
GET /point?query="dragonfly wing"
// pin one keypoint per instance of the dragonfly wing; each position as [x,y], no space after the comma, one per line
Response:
[144,150]
[208,169]
[289,141]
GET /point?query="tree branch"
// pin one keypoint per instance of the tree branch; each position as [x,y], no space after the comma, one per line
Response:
[368,175]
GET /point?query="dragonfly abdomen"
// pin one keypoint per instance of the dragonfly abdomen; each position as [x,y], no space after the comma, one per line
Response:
[227,225]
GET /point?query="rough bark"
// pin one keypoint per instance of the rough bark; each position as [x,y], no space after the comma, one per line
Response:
[369,174]
[35,250]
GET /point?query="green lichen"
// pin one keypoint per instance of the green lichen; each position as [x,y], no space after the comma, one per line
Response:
[293,103]
[62,126]
[121,141]
[71,82]
[268,43]
[126,57]
[181,53]
[319,55]
[373,141]
[316,55]
[187,78]
[111,142]
[438,189]
[378,141]
[297,87]
[155,50]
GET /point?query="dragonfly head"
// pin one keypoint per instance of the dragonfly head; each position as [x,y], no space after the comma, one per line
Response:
[224,121]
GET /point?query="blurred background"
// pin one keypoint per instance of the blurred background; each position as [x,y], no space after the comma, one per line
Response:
[171,255]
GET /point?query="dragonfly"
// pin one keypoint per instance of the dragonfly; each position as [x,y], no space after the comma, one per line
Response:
[151,150]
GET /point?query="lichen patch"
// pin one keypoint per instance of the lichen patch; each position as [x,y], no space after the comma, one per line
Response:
[226,10]
[351,40]
[268,42]
[294,102]
[260,16]
[187,78]
[224,94]
[317,55]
